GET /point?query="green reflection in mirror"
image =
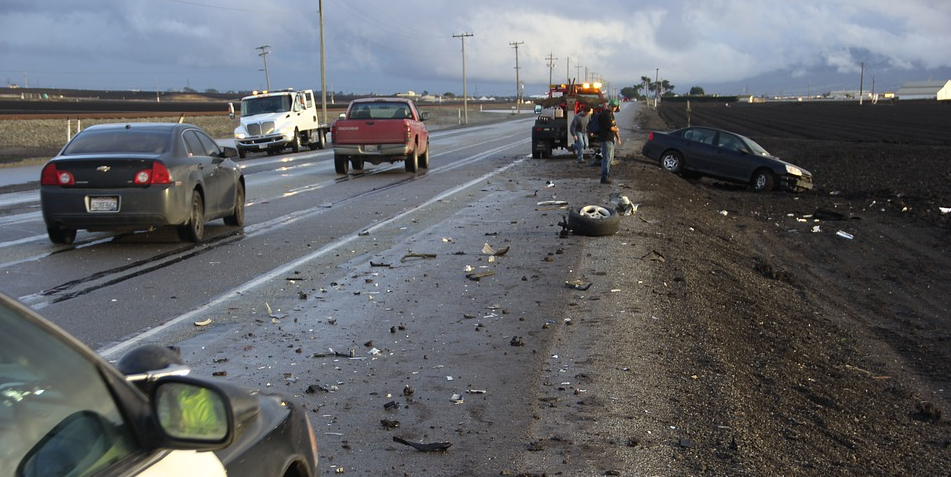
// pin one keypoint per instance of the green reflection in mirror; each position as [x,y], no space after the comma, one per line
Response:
[187,411]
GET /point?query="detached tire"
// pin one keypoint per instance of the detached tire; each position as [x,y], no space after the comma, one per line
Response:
[593,221]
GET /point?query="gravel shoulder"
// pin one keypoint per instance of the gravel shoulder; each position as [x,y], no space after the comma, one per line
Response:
[720,335]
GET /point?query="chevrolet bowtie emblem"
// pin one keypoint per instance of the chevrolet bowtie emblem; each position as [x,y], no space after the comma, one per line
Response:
[103,168]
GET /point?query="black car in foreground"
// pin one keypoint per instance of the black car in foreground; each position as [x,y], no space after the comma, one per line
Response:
[139,176]
[703,151]
[65,411]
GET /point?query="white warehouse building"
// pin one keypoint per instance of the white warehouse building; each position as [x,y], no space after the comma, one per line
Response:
[940,90]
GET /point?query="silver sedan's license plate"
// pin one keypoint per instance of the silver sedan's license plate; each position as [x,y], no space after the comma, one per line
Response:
[371,148]
[104,204]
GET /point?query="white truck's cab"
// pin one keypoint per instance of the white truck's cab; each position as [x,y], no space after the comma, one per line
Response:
[273,121]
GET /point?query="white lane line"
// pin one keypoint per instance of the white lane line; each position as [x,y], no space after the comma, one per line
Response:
[114,350]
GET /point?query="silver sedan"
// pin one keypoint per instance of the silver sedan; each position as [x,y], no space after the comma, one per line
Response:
[139,176]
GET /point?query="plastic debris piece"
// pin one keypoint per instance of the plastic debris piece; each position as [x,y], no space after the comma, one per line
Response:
[203,323]
[552,202]
[845,235]
[429,447]
[578,285]
[550,184]
[456,398]
[417,255]
[654,256]
[945,210]
[488,250]
[625,207]
[816,229]
[480,275]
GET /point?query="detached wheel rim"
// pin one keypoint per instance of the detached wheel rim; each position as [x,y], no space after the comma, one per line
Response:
[594,212]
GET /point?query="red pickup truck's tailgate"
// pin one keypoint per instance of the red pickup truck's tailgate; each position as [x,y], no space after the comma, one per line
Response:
[370,131]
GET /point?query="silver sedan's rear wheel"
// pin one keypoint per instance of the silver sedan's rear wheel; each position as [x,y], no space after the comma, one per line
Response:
[236,219]
[60,235]
[194,229]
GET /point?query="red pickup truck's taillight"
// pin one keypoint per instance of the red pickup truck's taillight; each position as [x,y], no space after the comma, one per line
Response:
[409,133]
[650,136]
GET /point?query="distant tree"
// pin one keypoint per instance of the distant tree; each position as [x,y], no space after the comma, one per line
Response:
[189,90]
[425,92]
[211,91]
[696,91]
[449,95]
[631,92]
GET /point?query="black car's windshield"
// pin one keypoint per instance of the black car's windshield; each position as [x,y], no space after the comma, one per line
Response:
[265,104]
[757,149]
[118,141]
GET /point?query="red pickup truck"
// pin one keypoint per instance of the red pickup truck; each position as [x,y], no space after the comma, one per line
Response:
[380,130]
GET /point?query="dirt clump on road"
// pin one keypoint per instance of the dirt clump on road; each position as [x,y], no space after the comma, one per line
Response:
[757,339]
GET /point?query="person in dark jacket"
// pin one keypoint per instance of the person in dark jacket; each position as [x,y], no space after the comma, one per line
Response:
[609,134]
[579,132]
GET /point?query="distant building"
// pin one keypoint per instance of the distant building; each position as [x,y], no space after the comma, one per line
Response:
[940,90]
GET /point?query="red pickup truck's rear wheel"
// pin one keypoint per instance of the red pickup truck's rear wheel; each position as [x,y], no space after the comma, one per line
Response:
[412,162]
[341,164]
[356,164]
[424,159]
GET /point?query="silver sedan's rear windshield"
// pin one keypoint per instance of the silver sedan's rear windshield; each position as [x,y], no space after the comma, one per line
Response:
[123,141]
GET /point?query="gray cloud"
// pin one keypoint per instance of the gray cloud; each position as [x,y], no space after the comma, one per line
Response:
[383,47]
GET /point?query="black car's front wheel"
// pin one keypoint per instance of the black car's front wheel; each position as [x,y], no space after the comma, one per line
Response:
[194,229]
[672,161]
[763,180]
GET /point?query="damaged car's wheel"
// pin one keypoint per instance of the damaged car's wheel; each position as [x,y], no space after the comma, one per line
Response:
[593,221]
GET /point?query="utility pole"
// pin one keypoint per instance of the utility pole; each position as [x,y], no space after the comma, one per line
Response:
[323,71]
[656,87]
[578,73]
[567,69]
[465,91]
[263,54]
[862,84]
[551,65]
[518,83]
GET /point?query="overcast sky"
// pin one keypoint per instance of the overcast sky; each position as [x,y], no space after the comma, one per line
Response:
[385,46]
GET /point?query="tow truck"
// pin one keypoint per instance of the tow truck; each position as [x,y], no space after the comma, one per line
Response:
[556,112]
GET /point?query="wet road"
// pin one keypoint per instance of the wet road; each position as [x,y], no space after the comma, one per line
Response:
[112,290]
